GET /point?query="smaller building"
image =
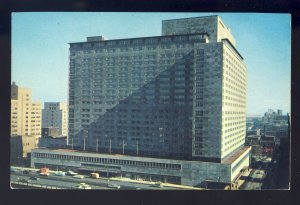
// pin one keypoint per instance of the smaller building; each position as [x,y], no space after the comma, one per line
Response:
[183,172]
[55,114]
[252,140]
[54,142]
[20,148]
[268,141]
[51,138]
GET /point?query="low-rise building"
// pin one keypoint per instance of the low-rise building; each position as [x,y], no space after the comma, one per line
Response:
[153,169]
[51,138]
[53,142]
[20,148]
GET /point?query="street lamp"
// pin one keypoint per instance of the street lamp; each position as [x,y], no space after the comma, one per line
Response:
[97,145]
[137,148]
[84,136]
[71,144]
[109,143]
[124,144]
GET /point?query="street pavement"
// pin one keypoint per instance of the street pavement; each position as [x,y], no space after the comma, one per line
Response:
[69,182]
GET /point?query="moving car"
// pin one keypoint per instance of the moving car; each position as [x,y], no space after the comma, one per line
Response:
[95,175]
[44,171]
[71,173]
[13,170]
[157,184]
[114,186]
[26,172]
[34,178]
[83,186]
[60,173]
[25,180]
[78,176]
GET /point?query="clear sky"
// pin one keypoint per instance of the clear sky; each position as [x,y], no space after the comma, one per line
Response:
[40,49]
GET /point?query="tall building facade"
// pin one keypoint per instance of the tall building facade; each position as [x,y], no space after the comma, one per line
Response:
[25,114]
[55,114]
[181,95]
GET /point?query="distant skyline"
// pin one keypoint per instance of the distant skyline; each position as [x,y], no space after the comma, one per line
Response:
[40,50]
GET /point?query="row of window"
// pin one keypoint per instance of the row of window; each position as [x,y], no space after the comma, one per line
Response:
[108,161]
[141,41]
[234,145]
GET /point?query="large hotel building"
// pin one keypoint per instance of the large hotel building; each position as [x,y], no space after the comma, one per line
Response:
[175,103]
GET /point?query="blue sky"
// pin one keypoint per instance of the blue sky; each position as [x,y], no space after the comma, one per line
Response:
[40,49]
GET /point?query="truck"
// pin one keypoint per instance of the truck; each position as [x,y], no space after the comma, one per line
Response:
[44,171]
[95,175]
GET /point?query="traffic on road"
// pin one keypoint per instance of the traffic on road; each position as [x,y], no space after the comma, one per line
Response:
[73,180]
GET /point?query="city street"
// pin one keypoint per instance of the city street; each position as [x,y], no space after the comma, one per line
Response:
[254,180]
[69,182]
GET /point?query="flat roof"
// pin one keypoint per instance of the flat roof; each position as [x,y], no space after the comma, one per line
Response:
[231,158]
[233,47]
[191,18]
[95,153]
[147,37]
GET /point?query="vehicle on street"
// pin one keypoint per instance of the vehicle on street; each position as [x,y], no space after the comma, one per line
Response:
[26,172]
[113,186]
[71,173]
[44,171]
[83,186]
[34,178]
[95,175]
[78,176]
[13,170]
[25,180]
[157,184]
[44,174]
[60,173]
